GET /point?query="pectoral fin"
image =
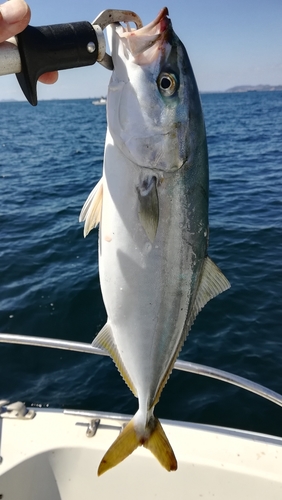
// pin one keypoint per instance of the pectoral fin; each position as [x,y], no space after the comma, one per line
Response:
[92,208]
[149,206]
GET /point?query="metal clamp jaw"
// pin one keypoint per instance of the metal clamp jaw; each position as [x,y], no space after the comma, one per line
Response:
[63,46]
[105,18]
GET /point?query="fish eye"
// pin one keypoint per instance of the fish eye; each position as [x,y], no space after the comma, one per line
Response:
[167,84]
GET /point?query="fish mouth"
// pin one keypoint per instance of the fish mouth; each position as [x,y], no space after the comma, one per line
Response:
[144,44]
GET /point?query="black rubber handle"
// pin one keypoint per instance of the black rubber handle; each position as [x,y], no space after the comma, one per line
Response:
[51,48]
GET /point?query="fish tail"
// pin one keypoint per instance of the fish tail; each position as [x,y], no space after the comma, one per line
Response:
[159,445]
[153,438]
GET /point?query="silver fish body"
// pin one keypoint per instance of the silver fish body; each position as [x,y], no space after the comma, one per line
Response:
[152,204]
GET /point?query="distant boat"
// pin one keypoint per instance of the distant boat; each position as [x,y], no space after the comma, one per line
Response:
[99,102]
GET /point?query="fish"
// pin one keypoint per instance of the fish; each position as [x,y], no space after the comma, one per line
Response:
[152,208]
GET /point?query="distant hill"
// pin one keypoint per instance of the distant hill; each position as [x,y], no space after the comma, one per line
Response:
[255,88]
[8,100]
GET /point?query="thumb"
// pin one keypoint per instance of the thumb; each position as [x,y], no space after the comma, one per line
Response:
[14,17]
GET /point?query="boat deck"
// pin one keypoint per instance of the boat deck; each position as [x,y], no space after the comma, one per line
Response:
[51,457]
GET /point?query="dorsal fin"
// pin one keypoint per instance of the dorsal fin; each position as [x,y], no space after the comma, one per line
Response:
[212,283]
[92,208]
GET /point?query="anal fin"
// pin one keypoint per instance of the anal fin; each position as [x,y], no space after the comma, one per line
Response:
[105,340]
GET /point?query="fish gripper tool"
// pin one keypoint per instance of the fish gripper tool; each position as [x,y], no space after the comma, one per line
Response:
[55,47]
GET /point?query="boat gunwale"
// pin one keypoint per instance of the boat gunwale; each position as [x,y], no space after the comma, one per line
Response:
[181,365]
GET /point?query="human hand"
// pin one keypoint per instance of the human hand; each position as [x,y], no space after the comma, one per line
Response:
[14,17]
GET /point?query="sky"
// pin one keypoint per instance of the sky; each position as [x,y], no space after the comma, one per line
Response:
[229,42]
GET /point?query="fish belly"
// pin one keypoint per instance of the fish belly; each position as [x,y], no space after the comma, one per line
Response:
[147,286]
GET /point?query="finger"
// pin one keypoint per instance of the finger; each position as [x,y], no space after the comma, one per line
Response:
[14,17]
[49,78]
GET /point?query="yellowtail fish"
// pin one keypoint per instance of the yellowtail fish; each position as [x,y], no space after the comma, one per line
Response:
[152,205]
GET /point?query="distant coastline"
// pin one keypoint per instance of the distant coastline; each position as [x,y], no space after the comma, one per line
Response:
[236,89]
[255,88]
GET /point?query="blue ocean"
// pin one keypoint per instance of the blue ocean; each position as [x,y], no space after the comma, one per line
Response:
[50,158]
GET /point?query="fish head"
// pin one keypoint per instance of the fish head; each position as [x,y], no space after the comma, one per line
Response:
[153,103]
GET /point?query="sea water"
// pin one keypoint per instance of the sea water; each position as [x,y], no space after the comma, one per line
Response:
[50,158]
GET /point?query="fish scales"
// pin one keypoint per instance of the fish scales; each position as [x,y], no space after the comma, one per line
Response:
[152,205]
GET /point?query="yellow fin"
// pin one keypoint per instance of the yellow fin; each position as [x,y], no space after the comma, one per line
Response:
[154,439]
[105,340]
[159,445]
[92,208]
[122,447]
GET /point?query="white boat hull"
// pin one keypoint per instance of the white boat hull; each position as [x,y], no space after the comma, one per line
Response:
[50,458]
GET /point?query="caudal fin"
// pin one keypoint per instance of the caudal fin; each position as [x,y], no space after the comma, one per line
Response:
[128,440]
[159,445]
